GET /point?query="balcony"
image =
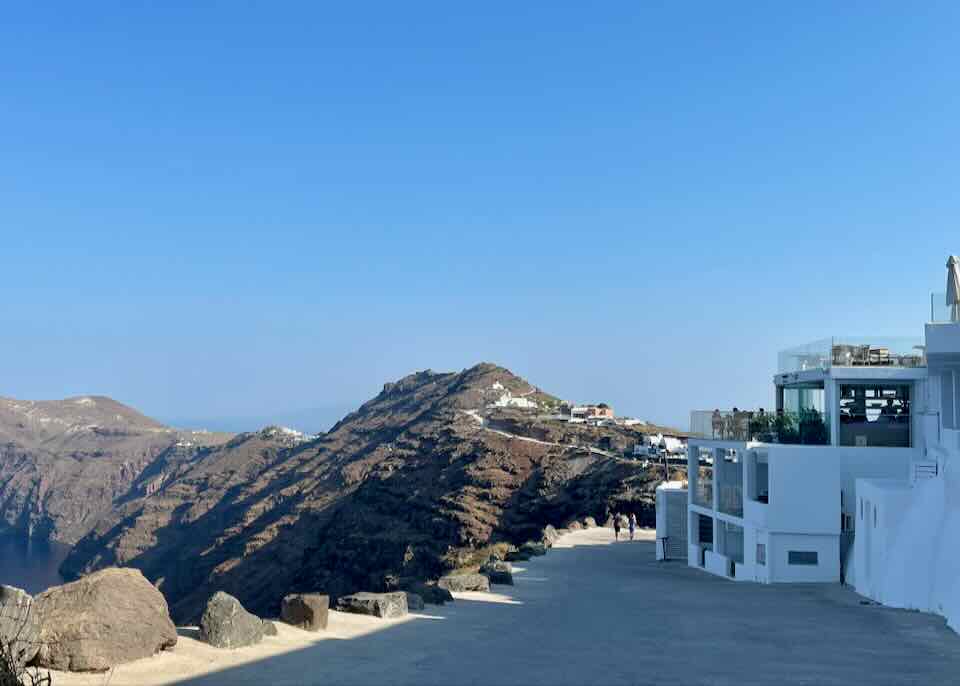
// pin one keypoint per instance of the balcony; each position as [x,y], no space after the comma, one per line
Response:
[803,427]
[852,351]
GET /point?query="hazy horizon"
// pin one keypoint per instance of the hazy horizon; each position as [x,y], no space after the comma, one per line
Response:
[236,212]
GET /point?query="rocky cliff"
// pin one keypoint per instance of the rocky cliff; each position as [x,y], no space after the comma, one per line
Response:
[408,486]
[65,463]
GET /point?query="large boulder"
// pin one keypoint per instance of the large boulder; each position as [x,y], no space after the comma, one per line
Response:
[550,536]
[518,556]
[307,611]
[589,522]
[414,602]
[498,572]
[226,624]
[384,605]
[103,620]
[430,593]
[458,583]
[19,628]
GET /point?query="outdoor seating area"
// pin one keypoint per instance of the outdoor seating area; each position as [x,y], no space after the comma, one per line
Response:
[845,355]
[851,351]
[807,426]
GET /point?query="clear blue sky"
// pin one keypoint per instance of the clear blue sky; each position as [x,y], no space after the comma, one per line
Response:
[255,208]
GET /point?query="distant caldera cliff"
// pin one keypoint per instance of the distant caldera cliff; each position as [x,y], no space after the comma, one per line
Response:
[66,463]
[409,486]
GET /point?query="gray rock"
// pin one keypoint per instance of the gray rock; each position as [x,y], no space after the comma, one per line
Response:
[589,522]
[226,624]
[458,583]
[414,602]
[430,593]
[385,605]
[533,549]
[102,620]
[307,611]
[550,536]
[19,628]
[518,556]
[269,628]
[498,572]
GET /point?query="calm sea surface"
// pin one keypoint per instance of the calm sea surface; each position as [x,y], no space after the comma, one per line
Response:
[30,565]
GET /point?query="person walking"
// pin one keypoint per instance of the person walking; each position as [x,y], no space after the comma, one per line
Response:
[632,524]
[616,526]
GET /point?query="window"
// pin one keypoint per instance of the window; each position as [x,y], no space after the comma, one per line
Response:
[802,557]
[875,415]
[948,399]
[761,553]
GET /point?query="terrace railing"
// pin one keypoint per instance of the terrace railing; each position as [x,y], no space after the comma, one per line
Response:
[853,351]
[806,427]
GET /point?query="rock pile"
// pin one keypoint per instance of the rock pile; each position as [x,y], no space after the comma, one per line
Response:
[533,549]
[498,572]
[430,593]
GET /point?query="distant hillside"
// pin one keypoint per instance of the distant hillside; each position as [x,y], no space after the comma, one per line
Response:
[311,421]
[406,486]
[63,463]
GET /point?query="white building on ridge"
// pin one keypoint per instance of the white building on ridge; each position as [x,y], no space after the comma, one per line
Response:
[850,478]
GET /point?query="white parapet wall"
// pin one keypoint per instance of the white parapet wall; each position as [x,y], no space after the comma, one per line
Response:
[671,502]
[915,558]
[715,563]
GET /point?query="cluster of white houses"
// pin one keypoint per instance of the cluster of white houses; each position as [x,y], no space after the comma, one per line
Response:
[853,476]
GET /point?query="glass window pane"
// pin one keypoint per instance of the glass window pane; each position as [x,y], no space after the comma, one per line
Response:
[875,415]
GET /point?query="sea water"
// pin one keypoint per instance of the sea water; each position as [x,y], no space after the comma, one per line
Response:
[30,564]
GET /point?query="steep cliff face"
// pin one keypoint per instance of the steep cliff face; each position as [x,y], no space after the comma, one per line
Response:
[407,486]
[63,463]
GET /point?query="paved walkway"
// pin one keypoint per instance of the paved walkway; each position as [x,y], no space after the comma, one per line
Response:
[592,612]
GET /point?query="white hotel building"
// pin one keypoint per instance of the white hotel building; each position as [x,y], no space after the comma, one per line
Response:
[832,484]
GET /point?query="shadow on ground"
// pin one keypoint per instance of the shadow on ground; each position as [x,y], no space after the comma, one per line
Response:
[610,614]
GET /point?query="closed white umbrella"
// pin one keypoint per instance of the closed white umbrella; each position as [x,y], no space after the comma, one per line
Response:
[953,287]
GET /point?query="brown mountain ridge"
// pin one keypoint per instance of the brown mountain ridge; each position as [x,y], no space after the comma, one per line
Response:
[407,487]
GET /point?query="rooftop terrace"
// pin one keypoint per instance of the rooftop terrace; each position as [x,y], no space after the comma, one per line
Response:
[853,351]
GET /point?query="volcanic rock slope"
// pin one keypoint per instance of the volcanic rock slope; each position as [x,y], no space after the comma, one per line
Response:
[407,487]
[64,463]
